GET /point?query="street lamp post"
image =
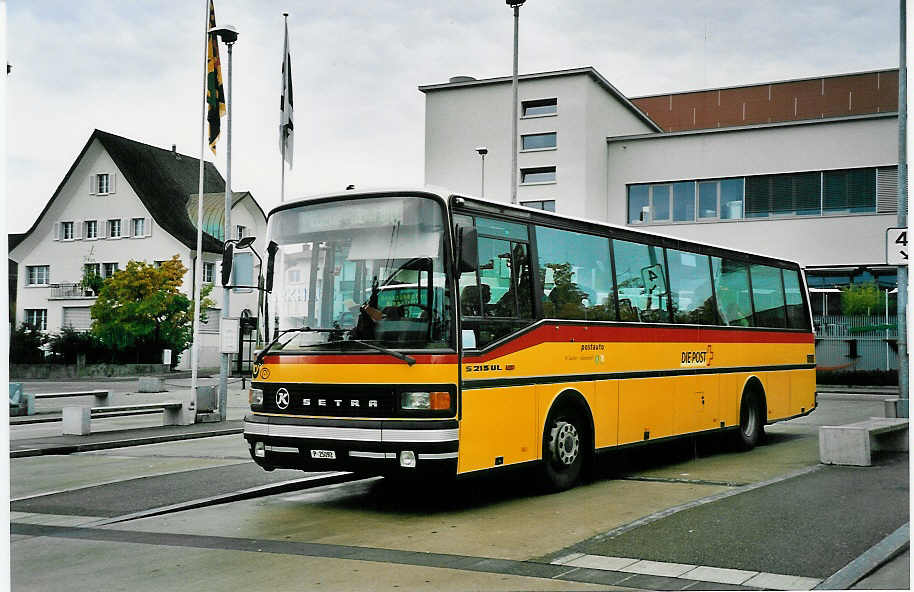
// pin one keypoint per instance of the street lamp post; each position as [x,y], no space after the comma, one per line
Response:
[482,150]
[515,4]
[229,35]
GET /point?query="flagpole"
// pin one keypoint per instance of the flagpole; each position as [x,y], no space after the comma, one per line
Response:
[198,266]
[282,161]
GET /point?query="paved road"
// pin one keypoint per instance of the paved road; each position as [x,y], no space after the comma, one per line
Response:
[488,533]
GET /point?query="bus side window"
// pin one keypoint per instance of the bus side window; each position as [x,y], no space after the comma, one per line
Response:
[648,298]
[690,288]
[576,274]
[768,296]
[796,311]
[731,285]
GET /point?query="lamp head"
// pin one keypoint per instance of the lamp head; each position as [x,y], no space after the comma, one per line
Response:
[515,3]
[482,150]
[228,34]
[245,242]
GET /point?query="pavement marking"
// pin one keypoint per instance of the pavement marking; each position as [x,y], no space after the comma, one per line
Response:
[869,560]
[782,582]
[377,555]
[720,575]
[700,573]
[688,481]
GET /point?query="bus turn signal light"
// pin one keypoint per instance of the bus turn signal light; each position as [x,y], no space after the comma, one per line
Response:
[440,400]
[434,401]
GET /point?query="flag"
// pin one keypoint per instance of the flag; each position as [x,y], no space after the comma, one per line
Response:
[215,97]
[285,102]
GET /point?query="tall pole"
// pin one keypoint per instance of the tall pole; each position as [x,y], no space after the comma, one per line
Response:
[282,176]
[198,261]
[225,362]
[514,111]
[482,181]
[902,215]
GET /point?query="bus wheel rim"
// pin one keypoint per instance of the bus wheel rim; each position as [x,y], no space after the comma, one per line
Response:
[749,426]
[566,443]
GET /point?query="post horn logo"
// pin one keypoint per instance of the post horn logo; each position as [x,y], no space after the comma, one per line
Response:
[264,373]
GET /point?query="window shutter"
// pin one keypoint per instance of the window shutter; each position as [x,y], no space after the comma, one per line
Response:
[125,227]
[806,198]
[112,183]
[147,226]
[834,192]
[862,186]
[887,190]
[757,192]
[78,229]
[92,189]
[56,230]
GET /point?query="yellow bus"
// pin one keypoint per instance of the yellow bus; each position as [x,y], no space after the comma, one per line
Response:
[418,331]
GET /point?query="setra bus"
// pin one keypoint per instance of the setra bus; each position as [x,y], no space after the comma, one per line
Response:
[419,331]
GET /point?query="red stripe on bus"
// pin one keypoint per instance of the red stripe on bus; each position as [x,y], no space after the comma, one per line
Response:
[604,334]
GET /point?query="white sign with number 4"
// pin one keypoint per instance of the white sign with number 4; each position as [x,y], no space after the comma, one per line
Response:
[896,246]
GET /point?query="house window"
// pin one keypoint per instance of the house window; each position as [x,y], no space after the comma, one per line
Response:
[546,204]
[66,230]
[240,231]
[38,275]
[37,318]
[114,228]
[538,141]
[92,269]
[537,175]
[102,183]
[209,271]
[110,269]
[139,227]
[92,229]
[539,107]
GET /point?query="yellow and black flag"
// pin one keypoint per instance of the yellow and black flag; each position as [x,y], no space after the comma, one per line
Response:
[215,97]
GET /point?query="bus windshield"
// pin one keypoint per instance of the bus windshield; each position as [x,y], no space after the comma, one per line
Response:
[361,271]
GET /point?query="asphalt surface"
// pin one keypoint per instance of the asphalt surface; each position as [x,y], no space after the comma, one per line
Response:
[136,495]
[811,525]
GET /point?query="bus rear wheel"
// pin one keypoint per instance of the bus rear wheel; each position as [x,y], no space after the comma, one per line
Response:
[751,421]
[564,449]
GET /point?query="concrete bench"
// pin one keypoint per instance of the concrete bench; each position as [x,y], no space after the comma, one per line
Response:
[854,443]
[100,396]
[77,420]
[21,403]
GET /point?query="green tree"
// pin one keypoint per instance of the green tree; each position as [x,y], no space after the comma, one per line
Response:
[26,345]
[862,299]
[141,309]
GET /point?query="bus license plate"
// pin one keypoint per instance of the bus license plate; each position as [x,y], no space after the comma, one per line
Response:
[323,454]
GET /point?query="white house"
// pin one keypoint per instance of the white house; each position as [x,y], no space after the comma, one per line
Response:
[123,200]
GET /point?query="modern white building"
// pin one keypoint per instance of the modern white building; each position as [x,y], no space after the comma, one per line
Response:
[123,201]
[799,169]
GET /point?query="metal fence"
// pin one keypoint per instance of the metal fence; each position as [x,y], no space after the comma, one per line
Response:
[856,342]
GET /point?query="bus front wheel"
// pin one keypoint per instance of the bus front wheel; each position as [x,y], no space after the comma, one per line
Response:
[564,444]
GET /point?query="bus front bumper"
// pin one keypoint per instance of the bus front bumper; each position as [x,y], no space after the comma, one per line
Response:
[362,446]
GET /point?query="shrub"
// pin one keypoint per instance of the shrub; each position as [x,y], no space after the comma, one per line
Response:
[26,345]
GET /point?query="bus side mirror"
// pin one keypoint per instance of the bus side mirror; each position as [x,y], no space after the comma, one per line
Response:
[271,261]
[228,256]
[468,249]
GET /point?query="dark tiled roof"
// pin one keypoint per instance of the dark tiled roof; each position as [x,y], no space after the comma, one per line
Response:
[14,240]
[164,180]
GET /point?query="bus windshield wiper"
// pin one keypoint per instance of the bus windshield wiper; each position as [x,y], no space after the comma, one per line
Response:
[264,351]
[408,359]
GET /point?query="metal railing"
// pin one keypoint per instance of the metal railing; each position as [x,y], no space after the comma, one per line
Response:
[858,342]
[71,290]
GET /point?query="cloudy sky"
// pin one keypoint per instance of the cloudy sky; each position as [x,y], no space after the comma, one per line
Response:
[134,68]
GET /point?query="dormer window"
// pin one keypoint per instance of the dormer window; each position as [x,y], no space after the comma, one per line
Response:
[101,183]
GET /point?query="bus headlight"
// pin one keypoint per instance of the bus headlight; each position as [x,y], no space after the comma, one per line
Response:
[255,397]
[425,400]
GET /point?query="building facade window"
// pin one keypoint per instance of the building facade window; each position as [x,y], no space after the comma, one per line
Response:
[92,269]
[139,226]
[209,271]
[539,107]
[537,175]
[38,275]
[110,269]
[240,231]
[37,318]
[91,228]
[114,228]
[102,183]
[539,141]
[545,204]
[812,193]
[66,231]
